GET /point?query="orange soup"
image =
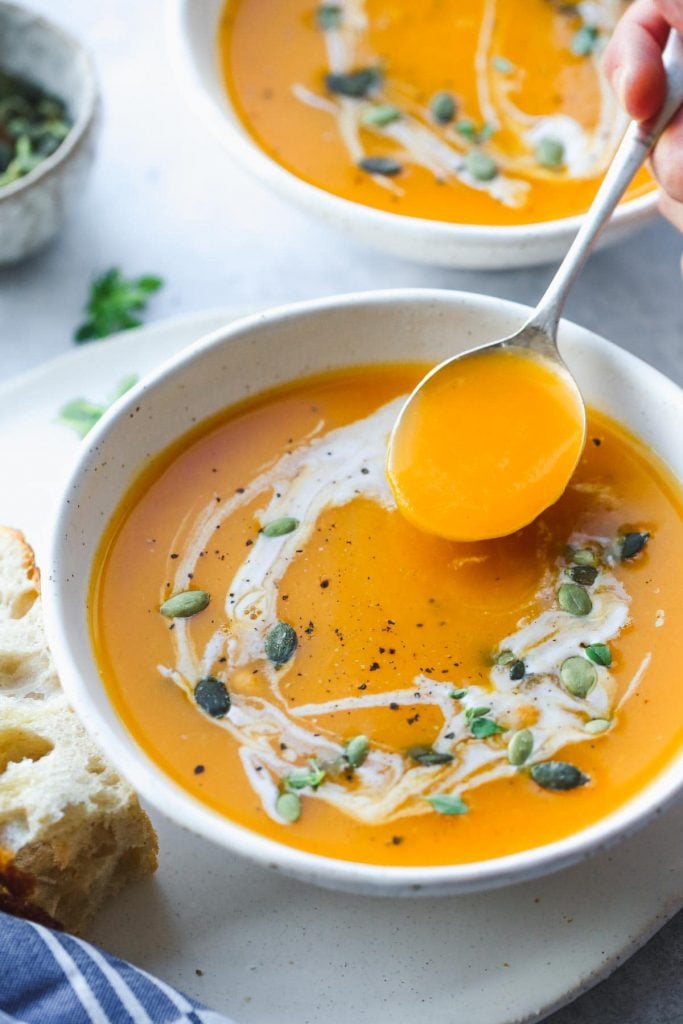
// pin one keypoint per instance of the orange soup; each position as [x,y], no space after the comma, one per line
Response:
[297,656]
[486,112]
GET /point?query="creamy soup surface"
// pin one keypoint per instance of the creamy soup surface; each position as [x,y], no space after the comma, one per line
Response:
[489,112]
[354,687]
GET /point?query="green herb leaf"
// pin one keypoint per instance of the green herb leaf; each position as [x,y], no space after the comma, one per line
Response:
[81,415]
[503,65]
[429,756]
[447,803]
[479,712]
[280,527]
[112,303]
[482,728]
[303,778]
[574,599]
[600,654]
[468,129]
[281,643]
[457,694]
[558,775]
[585,41]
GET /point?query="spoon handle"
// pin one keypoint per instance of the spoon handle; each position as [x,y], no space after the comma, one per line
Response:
[629,158]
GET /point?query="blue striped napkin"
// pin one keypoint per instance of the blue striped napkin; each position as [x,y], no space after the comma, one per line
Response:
[47,977]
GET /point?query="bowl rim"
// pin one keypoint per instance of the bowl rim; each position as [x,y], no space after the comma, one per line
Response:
[240,145]
[86,113]
[175,803]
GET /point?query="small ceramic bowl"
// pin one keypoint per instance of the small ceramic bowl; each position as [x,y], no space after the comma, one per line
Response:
[260,352]
[33,208]
[193,33]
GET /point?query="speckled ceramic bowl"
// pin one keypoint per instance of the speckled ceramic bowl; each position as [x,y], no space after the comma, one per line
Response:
[33,208]
[193,32]
[260,352]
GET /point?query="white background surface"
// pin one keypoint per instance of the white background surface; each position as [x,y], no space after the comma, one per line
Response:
[164,198]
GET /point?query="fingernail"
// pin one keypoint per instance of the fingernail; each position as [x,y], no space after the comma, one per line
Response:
[619,84]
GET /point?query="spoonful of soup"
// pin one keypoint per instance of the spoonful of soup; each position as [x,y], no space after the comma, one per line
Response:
[491,437]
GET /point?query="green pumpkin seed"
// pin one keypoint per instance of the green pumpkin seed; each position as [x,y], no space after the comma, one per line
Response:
[447,803]
[356,84]
[574,599]
[468,129]
[503,65]
[584,556]
[329,17]
[549,153]
[380,116]
[480,165]
[505,658]
[578,675]
[356,750]
[385,165]
[600,654]
[586,575]
[443,107]
[520,746]
[585,41]
[517,671]
[281,643]
[597,725]
[187,603]
[288,807]
[482,728]
[212,696]
[558,775]
[631,544]
[280,527]
[429,756]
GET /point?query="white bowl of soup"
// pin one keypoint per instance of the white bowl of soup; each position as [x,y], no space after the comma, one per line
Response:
[461,135]
[281,663]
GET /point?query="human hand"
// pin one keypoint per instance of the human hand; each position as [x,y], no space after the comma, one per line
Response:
[633,61]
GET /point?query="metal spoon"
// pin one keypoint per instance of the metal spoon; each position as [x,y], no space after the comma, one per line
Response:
[539,334]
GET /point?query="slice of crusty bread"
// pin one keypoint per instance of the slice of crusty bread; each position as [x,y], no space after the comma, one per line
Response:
[71,830]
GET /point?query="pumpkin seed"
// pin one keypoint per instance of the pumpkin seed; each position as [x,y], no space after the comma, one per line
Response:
[574,599]
[380,116]
[597,725]
[520,746]
[600,654]
[549,153]
[586,575]
[585,41]
[457,694]
[187,603]
[280,527]
[443,107]
[482,728]
[632,544]
[288,807]
[471,713]
[447,803]
[467,128]
[503,65]
[329,17]
[505,658]
[429,756]
[480,165]
[517,671]
[578,675]
[356,750]
[355,84]
[558,775]
[281,643]
[385,165]
[212,696]
[584,556]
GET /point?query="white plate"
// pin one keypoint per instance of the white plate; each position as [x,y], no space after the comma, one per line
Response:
[275,951]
